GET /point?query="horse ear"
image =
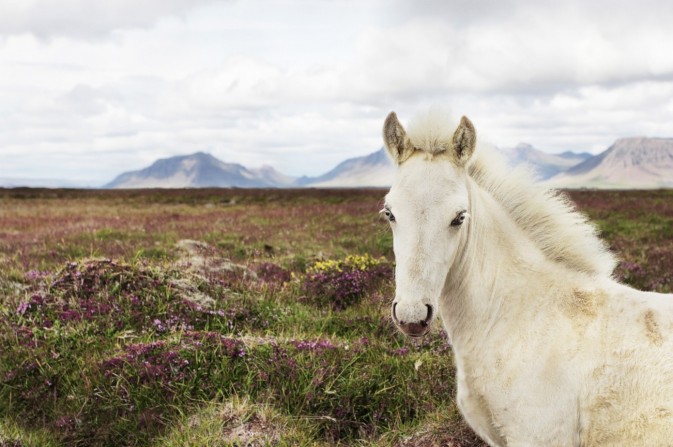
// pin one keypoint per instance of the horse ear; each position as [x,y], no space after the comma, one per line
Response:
[464,140]
[395,139]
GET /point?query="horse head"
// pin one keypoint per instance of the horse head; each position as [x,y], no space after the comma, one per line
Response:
[428,209]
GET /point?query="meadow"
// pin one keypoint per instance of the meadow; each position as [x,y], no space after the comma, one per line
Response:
[226,317]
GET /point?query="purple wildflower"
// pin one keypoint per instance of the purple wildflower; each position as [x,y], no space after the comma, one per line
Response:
[316,346]
[273,274]
[401,351]
[159,326]
[22,308]
[343,285]
[35,275]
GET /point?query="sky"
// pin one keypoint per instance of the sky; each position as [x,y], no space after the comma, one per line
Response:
[91,89]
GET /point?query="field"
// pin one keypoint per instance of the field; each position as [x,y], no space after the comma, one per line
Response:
[236,318]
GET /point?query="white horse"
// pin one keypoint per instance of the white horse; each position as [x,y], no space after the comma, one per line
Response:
[549,349]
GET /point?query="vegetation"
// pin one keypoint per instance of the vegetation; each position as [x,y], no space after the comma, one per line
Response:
[235,317]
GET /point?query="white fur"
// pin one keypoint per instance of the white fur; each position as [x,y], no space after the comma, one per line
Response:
[550,350]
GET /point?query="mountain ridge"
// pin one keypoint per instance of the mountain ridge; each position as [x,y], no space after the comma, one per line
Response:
[544,165]
[374,169]
[634,162]
[199,170]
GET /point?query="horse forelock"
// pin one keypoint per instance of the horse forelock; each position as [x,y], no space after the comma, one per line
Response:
[432,132]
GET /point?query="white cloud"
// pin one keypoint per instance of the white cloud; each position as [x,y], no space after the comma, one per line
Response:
[86,19]
[525,50]
[301,85]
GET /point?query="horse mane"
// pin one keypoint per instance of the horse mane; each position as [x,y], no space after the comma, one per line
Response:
[546,215]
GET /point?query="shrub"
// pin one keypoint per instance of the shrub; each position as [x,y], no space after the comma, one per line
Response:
[339,284]
[273,275]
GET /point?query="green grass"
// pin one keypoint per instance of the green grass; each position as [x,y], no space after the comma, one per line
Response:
[111,335]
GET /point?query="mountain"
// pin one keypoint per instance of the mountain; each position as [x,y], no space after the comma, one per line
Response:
[271,175]
[375,169]
[199,170]
[629,163]
[544,165]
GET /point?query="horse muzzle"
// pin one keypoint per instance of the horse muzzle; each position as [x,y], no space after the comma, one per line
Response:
[413,321]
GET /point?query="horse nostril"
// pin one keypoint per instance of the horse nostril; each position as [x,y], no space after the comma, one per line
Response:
[394,314]
[428,318]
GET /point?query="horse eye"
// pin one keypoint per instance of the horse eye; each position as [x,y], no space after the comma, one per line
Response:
[458,221]
[388,214]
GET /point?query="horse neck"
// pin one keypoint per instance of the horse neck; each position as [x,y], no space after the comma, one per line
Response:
[495,261]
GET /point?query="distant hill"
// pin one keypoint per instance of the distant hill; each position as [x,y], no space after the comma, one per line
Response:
[199,170]
[628,163]
[375,169]
[544,164]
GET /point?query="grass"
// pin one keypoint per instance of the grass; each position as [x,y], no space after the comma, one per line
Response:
[235,317]
[639,227]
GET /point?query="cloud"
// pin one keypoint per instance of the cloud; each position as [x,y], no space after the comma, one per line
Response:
[514,49]
[260,82]
[86,19]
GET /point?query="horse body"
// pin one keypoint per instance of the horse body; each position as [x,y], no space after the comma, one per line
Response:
[549,349]
[548,356]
